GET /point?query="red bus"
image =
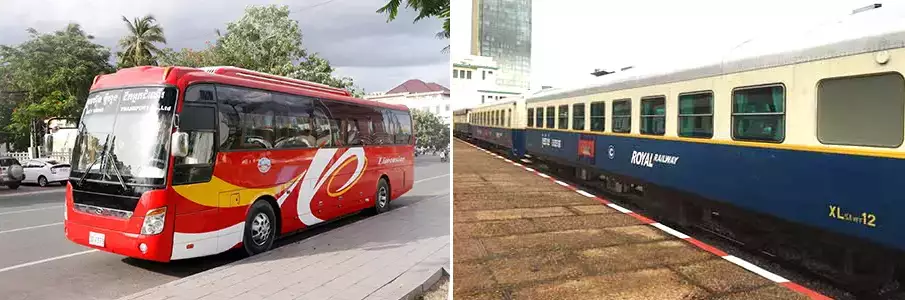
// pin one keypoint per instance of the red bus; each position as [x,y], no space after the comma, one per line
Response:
[173,163]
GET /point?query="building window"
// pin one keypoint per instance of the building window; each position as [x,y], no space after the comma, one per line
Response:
[696,115]
[483,75]
[455,73]
[578,116]
[598,116]
[530,117]
[446,107]
[861,110]
[551,116]
[653,116]
[758,114]
[467,74]
[539,118]
[563,117]
[622,116]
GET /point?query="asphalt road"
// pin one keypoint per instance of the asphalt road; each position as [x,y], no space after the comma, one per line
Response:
[38,262]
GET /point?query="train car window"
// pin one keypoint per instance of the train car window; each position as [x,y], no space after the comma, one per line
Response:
[509,117]
[758,114]
[861,110]
[622,116]
[653,115]
[539,120]
[530,117]
[696,115]
[551,116]
[598,116]
[563,117]
[578,116]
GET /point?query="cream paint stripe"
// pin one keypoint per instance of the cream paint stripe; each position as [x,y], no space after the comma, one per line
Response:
[671,231]
[28,264]
[757,270]
[619,208]
[561,183]
[543,175]
[583,193]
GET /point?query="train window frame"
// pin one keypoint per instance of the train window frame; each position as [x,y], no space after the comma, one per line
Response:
[509,118]
[602,116]
[562,116]
[644,117]
[576,117]
[680,115]
[530,121]
[550,116]
[735,114]
[539,117]
[899,125]
[619,117]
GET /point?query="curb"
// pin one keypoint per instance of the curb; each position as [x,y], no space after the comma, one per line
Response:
[697,243]
[428,283]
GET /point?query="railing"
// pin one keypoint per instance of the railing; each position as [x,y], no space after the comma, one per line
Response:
[63,156]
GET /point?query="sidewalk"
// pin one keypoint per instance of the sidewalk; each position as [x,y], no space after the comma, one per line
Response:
[388,256]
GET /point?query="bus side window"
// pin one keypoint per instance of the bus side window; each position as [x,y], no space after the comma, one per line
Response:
[199,121]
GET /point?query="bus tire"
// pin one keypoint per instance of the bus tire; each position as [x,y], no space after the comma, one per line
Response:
[260,228]
[382,196]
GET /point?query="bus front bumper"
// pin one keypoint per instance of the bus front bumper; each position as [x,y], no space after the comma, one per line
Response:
[154,248]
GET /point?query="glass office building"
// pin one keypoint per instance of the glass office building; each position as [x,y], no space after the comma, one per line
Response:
[502,29]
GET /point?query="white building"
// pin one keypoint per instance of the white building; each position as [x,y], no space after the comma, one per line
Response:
[474,79]
[416,94]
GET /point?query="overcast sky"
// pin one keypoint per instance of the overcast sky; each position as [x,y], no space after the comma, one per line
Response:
[349,33]
[570,38]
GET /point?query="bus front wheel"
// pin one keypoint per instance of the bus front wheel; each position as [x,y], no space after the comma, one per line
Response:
[382,197]
[260,228]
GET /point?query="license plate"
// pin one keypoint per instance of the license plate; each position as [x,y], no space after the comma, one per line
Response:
[96,239]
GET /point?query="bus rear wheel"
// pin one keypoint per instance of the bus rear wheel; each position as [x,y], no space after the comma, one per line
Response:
[260,228]
[382,197]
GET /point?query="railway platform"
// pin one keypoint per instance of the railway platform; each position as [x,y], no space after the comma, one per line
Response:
[522,234]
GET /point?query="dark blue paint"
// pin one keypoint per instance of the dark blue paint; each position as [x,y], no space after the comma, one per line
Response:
[505,137]
[798,186]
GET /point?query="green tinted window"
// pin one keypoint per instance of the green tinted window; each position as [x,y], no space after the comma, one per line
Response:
[696,115]
[563,117]
[653,116]
[551,116]
[598,116]
[578,116]
[758,114]
[622,116]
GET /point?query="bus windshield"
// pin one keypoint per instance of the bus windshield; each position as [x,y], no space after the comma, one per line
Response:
[126,129]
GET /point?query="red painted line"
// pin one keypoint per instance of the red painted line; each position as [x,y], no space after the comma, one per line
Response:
[641,218]
[706,247]
[803,290]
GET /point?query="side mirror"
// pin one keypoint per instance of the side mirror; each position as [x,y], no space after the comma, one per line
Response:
[179,144]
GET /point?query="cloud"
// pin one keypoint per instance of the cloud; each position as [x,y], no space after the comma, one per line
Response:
[350,33]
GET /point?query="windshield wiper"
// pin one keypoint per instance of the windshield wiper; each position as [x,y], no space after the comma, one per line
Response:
[119,174]
[103,156]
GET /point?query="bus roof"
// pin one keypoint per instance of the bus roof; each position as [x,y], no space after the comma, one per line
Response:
[184,76]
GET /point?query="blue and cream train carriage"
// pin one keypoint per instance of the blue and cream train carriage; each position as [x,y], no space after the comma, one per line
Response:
[796,139]
[460,123]
[499,125]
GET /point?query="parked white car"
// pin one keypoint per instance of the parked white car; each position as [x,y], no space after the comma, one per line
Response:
[44,171]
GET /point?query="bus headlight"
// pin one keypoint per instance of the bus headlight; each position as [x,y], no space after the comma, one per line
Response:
[154,221]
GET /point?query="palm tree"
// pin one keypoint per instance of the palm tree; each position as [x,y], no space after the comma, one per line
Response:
[138,46]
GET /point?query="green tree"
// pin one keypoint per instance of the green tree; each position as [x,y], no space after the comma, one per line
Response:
[51,73]
[137,48]
[425,9]
[265,39]
[430,132]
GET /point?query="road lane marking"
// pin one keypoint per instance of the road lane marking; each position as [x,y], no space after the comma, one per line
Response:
[431,178]
[28,210]
[28,264]
[31,227]
[61,190]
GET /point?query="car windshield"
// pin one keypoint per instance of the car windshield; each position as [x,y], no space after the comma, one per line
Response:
[127,129]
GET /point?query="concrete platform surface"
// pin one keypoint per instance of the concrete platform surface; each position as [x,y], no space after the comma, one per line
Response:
[521,234]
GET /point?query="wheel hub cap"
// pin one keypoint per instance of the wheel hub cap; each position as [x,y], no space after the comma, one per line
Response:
[260,229]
